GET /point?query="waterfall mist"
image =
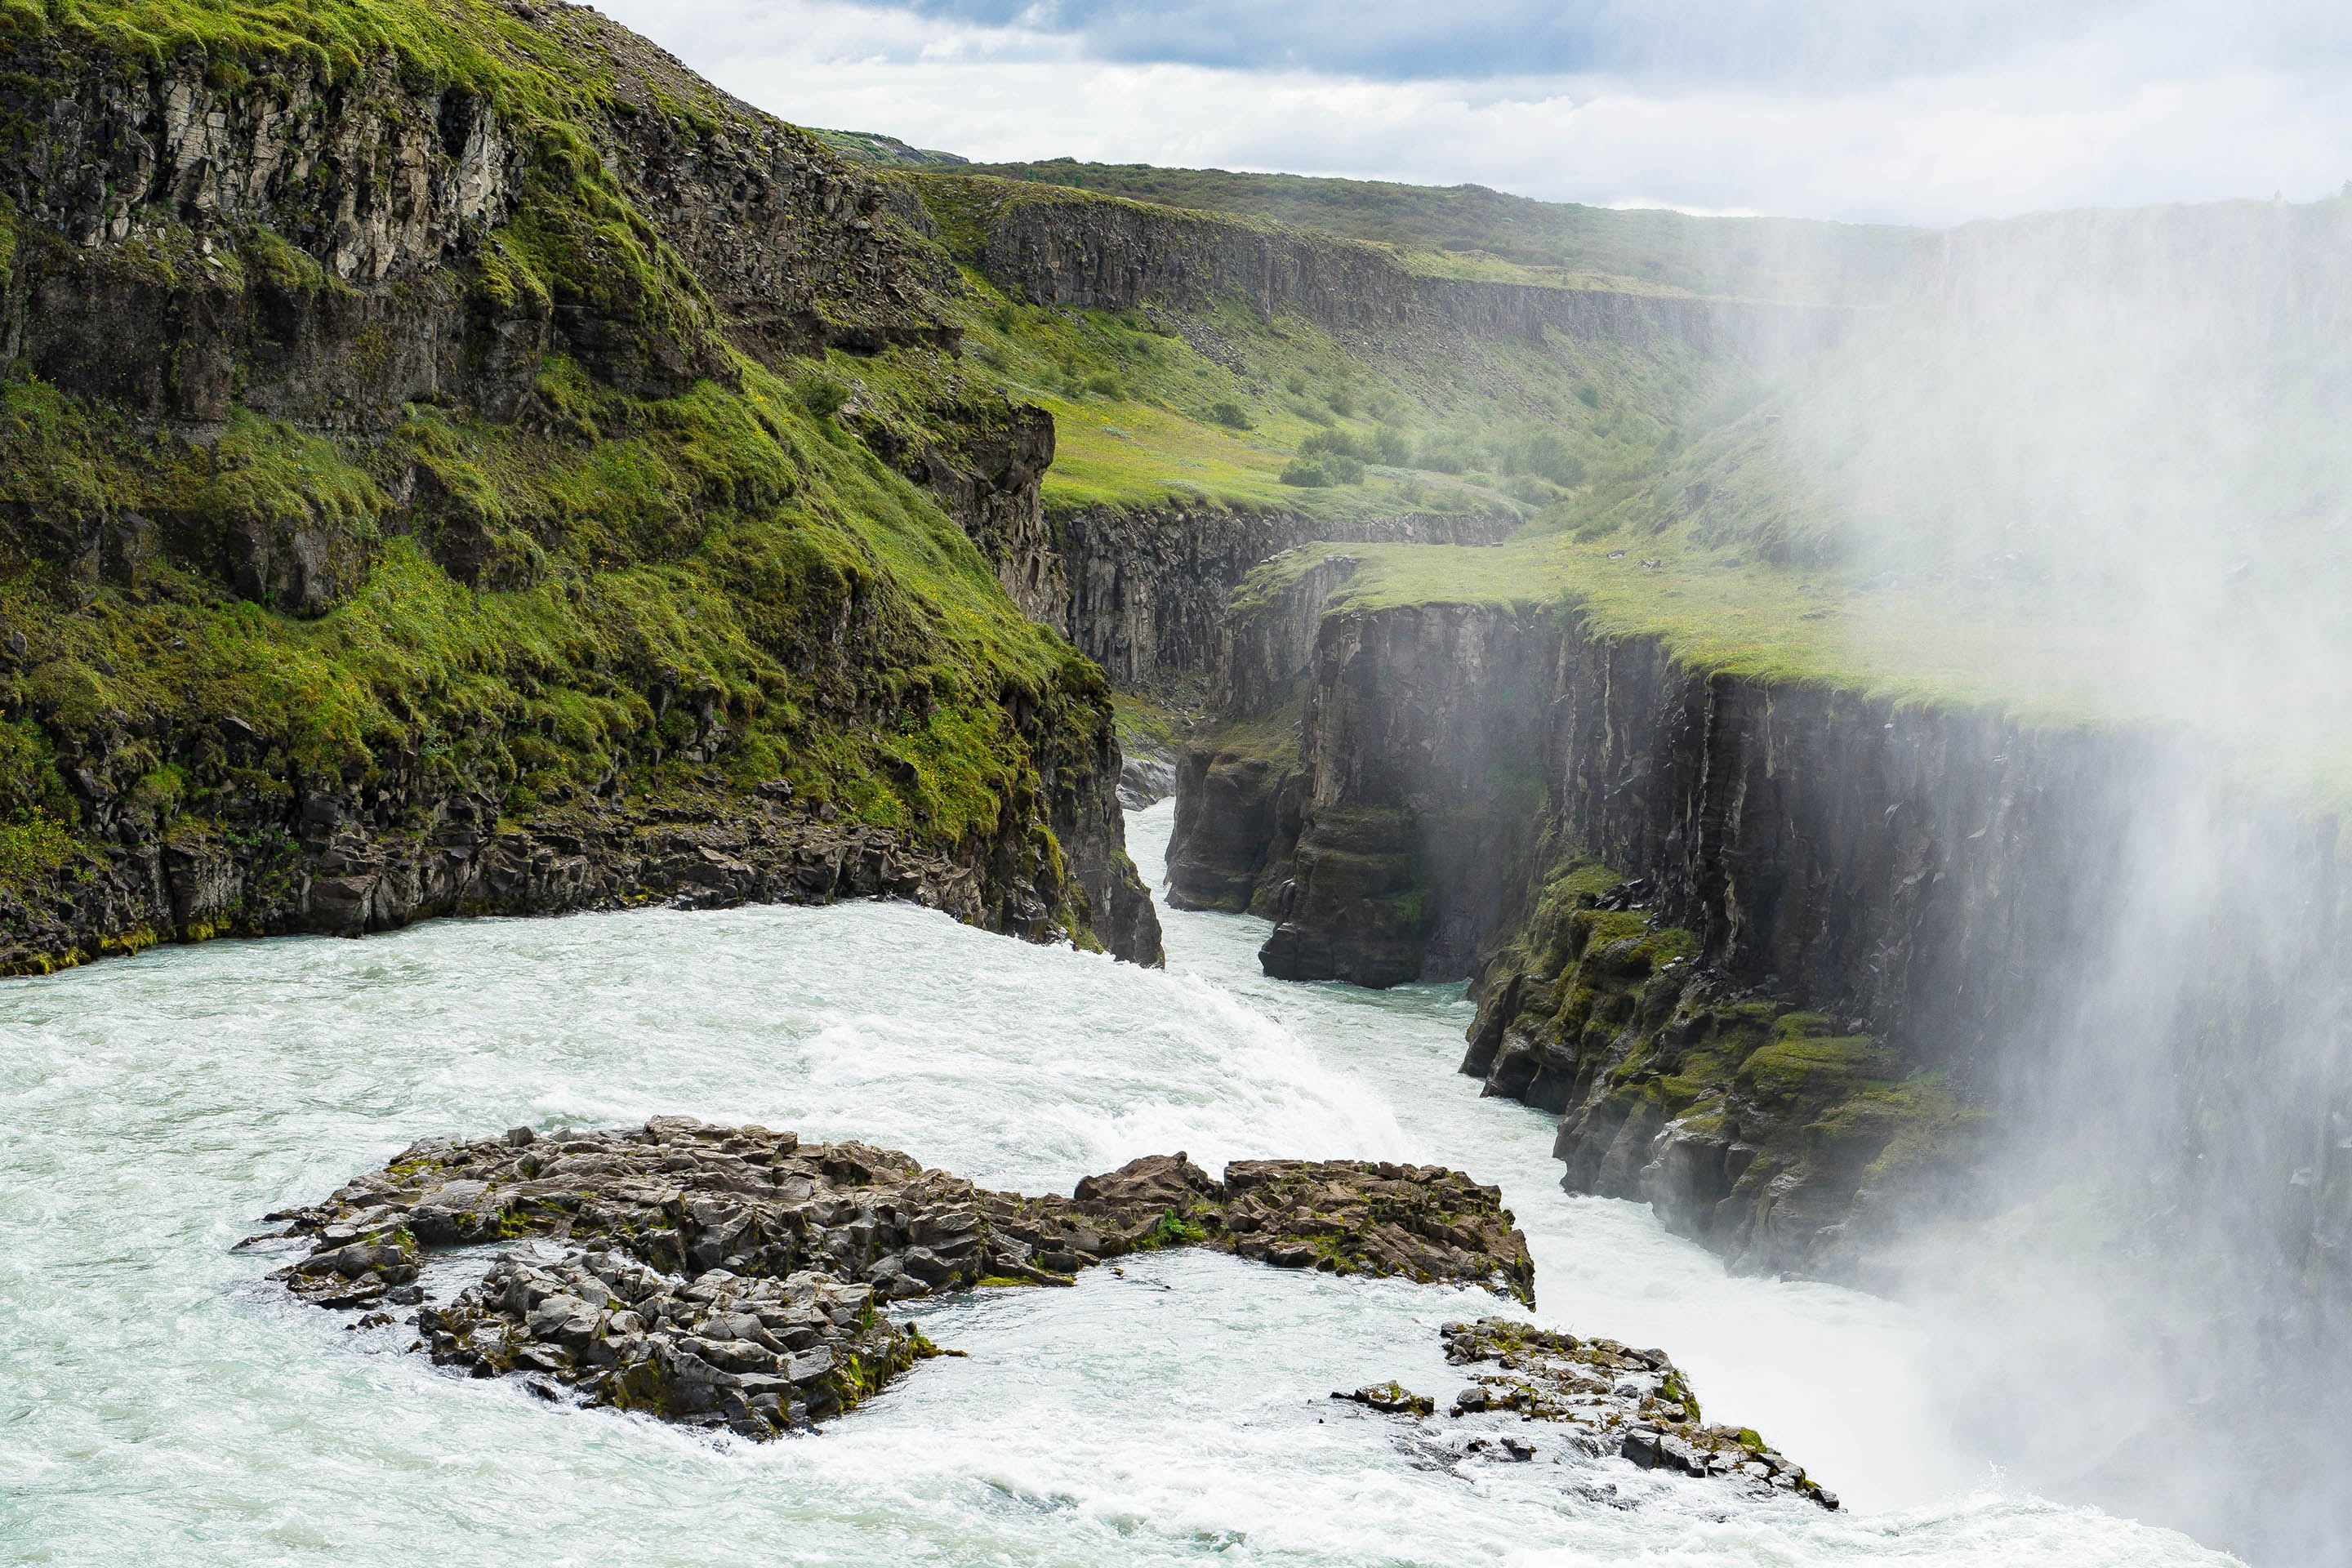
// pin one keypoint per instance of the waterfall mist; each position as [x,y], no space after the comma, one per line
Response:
[2092,466]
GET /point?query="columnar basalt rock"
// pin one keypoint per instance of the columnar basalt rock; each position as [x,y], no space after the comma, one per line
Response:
[736,1278]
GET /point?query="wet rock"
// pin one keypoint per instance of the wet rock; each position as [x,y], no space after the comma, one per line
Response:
[735,1277]
[1611,1401]
[1348,1216]
[1391,1398]
[1147,774]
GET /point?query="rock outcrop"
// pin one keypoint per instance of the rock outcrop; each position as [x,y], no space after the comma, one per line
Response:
[735,1277]
[1614,1402]
[340,875]
[1148,585]
[349,857]
[1147,774]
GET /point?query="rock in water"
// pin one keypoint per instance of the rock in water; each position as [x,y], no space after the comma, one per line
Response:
[736,1278]
[1421,1222]
[1391,1398]
[1632,1404]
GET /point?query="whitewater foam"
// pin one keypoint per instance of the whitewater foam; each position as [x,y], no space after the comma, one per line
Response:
[162,1399]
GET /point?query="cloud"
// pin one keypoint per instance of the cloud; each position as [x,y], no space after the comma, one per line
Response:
[1885,112]
[1816,43]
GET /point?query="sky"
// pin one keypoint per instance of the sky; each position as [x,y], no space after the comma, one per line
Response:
[1874,110]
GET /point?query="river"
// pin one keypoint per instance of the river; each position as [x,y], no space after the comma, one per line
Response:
[161,1400]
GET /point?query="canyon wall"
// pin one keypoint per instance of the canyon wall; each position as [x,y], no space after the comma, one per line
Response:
[1059,247]
[1148,585]
[1786,959]
[399,518]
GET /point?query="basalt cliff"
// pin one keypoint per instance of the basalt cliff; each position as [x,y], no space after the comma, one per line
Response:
[1779,956]
[423,490]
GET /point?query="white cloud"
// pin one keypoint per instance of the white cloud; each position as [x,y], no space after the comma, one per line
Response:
[2121,112]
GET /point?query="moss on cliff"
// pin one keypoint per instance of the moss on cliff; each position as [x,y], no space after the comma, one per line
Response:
[707,546]
[1720,1105]
[649,572]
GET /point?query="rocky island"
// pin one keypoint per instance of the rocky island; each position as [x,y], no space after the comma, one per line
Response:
[737,1279]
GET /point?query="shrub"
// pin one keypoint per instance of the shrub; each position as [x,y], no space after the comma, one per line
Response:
[819,395]
[1339,442]
[1341,404]
[1343,469]
[1229,414]
[1105,386]
[1589,394]
[1004,317]
[1442,456]
[1297,385]
[1307,473]
[1392,446]
[1548,454]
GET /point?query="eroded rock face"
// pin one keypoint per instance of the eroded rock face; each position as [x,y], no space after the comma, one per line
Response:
[224,256]
[1813,893]
[349,865]
[736,1278]
[1147,774]
[1147,587]
[1608,1399]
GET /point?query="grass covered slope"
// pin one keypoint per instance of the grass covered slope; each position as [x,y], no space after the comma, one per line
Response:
[423,429]
[1240,402]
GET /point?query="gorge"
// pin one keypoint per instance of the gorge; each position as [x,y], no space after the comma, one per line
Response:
[1771,703]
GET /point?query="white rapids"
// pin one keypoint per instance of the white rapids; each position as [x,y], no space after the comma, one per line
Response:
[162,1401]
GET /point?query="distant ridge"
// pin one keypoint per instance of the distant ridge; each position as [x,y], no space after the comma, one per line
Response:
[882,152]
[1764,258]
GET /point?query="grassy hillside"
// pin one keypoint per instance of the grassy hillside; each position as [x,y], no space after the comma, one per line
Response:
[1220,404]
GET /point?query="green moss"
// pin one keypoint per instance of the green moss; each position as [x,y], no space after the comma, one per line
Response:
[1588,881]
[1628,942]
[1801,1063]
[701,546]
[1171,1230]
[270,259]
